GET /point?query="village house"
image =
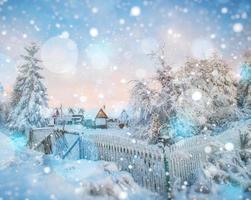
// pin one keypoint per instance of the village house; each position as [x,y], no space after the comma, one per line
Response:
[101,119]
[70,116]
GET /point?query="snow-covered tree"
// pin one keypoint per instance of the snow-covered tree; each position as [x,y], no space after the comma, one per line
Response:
[141,101]
[17,90]
[155,129]
[245,145]
[1,89]
[4,110]
[199,96]
[142,105]
[166,94]
[1,113]
[81,111]
[1,103]
[208,96]
[31,94]
[71,111]
[124,118]
[4,105]
[168,90]
[75,111]
[158,95]
[244,85]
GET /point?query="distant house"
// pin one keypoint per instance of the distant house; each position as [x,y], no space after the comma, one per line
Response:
[70,116]
[101,119]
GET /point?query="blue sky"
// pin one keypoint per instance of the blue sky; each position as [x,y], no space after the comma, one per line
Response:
[92,48]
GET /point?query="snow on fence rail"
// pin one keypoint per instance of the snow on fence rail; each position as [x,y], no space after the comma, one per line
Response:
[42,139]
[37,136]
[146,162]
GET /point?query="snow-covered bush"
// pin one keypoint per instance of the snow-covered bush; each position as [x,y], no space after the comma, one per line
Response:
[226,172]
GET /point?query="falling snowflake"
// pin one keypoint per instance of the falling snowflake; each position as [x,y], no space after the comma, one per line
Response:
[122,21]
[4,32]
[123,81]
[224,10]
[94,10]
[135,11]
[123,195]
[208,149]
[93,32]
[229,146]
[196,96]
[101,96]
[83,99]
[64,35]
[130,166]
[238,27]
[47,170]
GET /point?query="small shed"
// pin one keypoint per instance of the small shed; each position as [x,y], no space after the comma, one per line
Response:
[101,119]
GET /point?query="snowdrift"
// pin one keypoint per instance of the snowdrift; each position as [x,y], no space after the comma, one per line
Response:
[28,174]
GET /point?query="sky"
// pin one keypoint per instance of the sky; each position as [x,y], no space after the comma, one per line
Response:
[92,49]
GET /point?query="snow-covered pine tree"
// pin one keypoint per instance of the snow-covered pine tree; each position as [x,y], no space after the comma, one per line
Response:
[1,90]
[71,111]
[1,103]
[31,93]
[1,113]
[81,111]
[17,91]
[244,85]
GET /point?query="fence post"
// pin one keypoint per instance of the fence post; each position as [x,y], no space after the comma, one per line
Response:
[167,175]
[80,146]
[31,137]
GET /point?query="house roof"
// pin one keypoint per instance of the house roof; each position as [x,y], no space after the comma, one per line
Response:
[101,114]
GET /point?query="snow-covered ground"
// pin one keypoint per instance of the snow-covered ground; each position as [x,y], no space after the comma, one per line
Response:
[26,174]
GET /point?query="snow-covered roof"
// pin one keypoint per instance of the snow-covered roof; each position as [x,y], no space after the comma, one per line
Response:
[101,114]
[69,111]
